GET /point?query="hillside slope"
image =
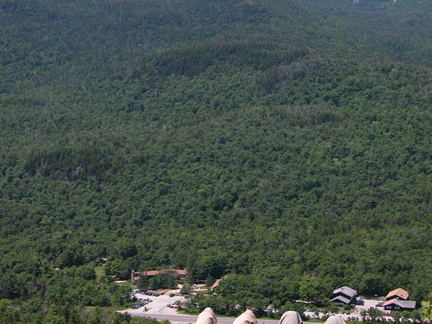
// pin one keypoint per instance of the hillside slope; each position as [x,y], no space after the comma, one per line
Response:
[285,142]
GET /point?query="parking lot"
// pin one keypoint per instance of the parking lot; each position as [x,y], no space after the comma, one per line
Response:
[154,304]
[165,304]
[354,315]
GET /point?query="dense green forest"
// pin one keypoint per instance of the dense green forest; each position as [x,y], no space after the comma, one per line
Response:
[286,143]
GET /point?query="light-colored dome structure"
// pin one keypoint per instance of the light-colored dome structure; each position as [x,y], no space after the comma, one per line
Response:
[290,317]
[207,316]
[248,317]
[334,320]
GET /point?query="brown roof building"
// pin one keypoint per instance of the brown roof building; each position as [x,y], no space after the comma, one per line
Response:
[180,273]
[216,283]
[398,293]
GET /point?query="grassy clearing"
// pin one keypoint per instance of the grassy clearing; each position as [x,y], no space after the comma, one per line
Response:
[100,271]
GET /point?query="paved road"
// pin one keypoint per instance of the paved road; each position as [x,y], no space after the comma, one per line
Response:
[192,319]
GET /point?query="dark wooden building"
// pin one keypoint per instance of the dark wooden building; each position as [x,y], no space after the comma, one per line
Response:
[400,305]
[344,296]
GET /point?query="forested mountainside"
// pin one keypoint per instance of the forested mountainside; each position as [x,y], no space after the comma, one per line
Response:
[286,143]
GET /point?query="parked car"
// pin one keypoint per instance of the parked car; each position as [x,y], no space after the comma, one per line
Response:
[359,301]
